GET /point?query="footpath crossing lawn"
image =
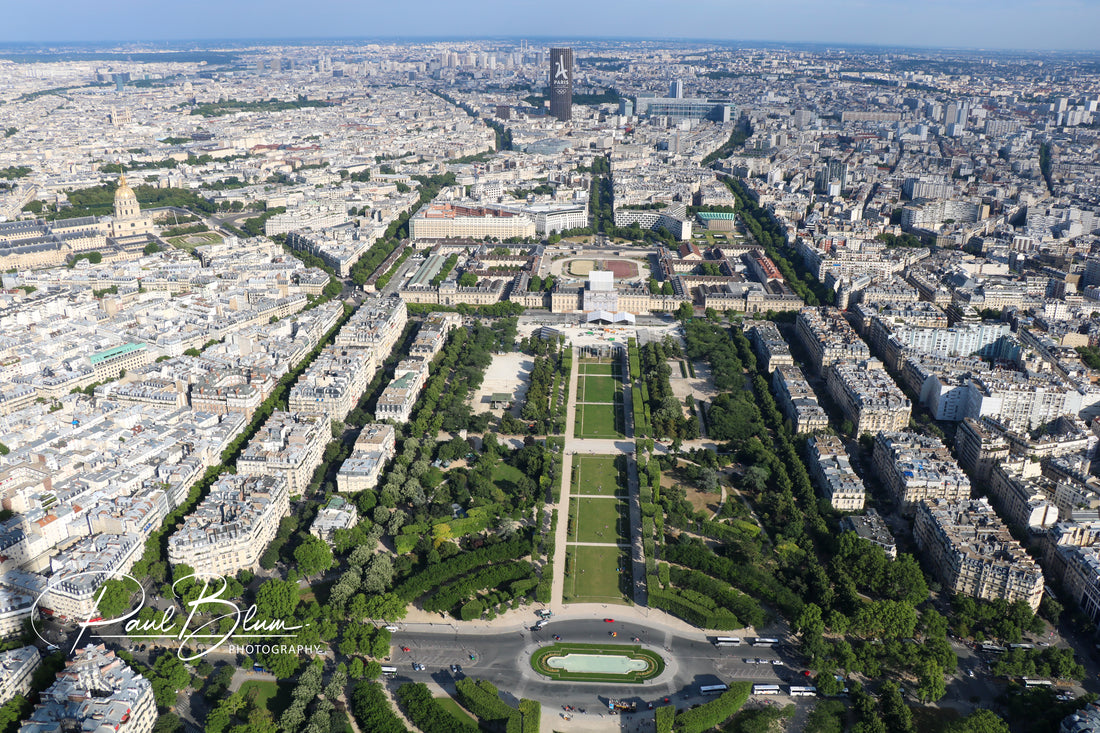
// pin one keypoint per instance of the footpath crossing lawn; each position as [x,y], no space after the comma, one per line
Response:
[599,520]
[594,574]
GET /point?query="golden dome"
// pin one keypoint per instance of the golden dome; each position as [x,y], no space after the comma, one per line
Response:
[124,192]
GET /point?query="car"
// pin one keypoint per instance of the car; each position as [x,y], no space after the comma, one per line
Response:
[777,661]
[557,638]
[390,628]
[969,673]
[455,669]
[746,660]
[609,620]
[405,649]
[807,673]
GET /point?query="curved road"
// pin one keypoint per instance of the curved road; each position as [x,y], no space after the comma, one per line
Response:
[502,657]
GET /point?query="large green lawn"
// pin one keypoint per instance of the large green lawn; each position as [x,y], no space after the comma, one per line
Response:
[599,389]
[598,520]
[266,695]
[596,475]
[451,706]
[506,477]
[604,368]
[594,576]
[598,421]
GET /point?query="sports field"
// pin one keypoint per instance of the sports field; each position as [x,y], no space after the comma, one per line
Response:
[581,268]
[598,520]
[595,576]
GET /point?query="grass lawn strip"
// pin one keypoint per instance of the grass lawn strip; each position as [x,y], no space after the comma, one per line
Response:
[601,389]
[561,649]
[599,520]
[595,475]
[605,368]
[597,421]
[594,577]
[451,706]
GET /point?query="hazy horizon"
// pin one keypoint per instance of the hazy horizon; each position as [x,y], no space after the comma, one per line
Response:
[1015,25]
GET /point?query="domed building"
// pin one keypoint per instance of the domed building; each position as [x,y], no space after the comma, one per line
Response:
[128,220]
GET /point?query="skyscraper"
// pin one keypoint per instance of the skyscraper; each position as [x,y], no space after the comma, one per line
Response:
[561,83]
[676,90]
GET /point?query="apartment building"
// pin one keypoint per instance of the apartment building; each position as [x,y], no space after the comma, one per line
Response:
[337,514]
[96,691]
[797,400]
[827,337]
[474,221]
[770,348]
[871,527]
[914,467]
[831,470]
[232,526]
[376,326]
[289,445]
[333,383]
[867,396]
[980,449]
[397,400]
[110,363]
[373,448]
[16,609]
[1023,496]
[17,667]
[971,552]
[232,390]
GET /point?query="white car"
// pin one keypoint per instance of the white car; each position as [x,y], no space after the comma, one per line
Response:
[391,628]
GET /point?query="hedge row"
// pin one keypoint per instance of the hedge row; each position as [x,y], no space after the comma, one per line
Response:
[740,605]
[372,709]
[435,575]
[481,698]
[748,578]
[427,714]
[715,712]
[690,611]
[446,598]
[665,717]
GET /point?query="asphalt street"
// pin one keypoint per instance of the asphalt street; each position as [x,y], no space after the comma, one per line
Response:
[503,659]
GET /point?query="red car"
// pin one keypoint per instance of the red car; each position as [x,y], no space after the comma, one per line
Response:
[609,620]
[405,649]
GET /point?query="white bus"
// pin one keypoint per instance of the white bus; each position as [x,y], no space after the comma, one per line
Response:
[765,689]
[712,689]
[389,670]
[764,641]
[993,649]
[800,691]
[727,641]
[1037,683]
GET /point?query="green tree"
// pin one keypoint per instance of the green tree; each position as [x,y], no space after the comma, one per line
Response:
[313,556]
[685,311]
[980,721]
[930,684]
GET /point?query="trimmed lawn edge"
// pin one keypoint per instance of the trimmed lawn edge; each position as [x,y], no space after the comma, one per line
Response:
[655,661]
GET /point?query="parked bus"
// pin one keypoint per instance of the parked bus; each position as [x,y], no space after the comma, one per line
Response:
[1037,683]
[765,689]
[993,649]
[764,641]
[727,641]
[802,691]
[1021,646]
[386,670]
[712,689]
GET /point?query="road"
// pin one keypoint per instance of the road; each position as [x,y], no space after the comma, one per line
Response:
[501,656]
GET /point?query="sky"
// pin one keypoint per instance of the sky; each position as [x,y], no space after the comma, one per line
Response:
[1001,24]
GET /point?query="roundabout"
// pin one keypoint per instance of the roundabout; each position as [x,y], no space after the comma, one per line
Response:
[606,663]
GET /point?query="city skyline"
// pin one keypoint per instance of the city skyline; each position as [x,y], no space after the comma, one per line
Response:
[1021,25]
